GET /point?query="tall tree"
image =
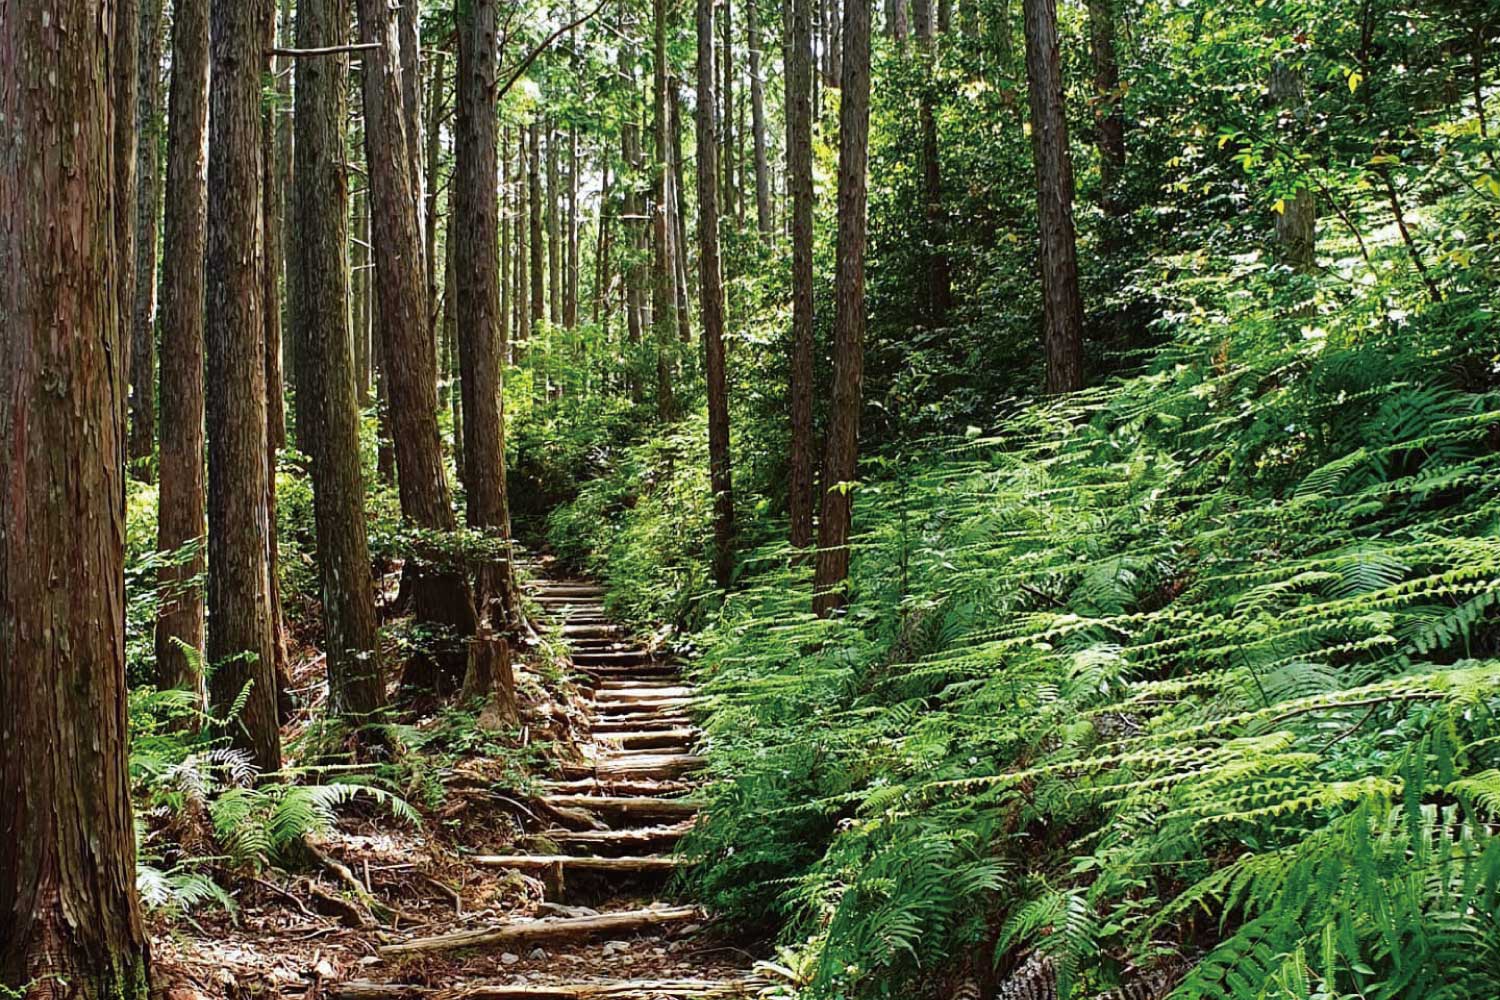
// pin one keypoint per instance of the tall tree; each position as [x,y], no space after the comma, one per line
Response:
[1297,222]
[731,168]
[124,72]
[663,292]
[148,119]
[240,620]
[679,220]
[475,232]
[408,355]
[535,198]
[841,461]
[711,303]
[70,924]
[939,279]
[1109,125]
[758,121]
[180,519]
[1062,305]
[325,363]
[522,251]
[799,74]
[554,230]
[272,267]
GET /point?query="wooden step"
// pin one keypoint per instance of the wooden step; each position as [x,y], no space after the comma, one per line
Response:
[654,739]
[618,786]
[624,989]
[643,691]
[613,841]
[637,766]
[566,590]
[626,683]
[612,657]
[539,862]
[636,708]
[625,805]
[519,932]
[609,728]
[571,632]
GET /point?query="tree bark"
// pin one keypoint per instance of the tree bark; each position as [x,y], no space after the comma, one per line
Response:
[272,208]
[148,118]
[939,277]
[181,501]
[537,246]
[758,121]
[1297,223]
[430,188]
[522,251]
[711,304]
[799,74]
[475,230]
[631,202]
[570,300]
[325,363]
[679,213]
[240,650]
[731,168]
[70,924]
[124,69]
[1109,126]
[841,462]
[1062,306]
[554,231]
[663,291]
[441,594]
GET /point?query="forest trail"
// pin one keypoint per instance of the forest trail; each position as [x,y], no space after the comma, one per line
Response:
[608,930]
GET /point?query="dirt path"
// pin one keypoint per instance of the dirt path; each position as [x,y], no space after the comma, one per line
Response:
[611,821]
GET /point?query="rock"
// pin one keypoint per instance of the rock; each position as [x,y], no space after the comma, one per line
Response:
[509,958]
[538,955]
[615,947]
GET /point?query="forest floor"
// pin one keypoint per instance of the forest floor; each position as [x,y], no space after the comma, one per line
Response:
[559,887]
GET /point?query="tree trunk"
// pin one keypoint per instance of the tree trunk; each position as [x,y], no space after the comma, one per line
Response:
[731,169]
[711,303]
[570,305]
[663,290]
[799,74]
[523,246]
[284,156]
[325,363]
[1063,308]
[409,44]
[124,70]
[430,188]
[70,924]
[148,119]
[554,232]
[441,594]
[475,232]
[181,502]
[841,463]
[939,278]
[537,246]
[632,204]
[679,213]
[450,337]
[1297,223]
[271,270]
[240,650]
[1108,124]
[758,122]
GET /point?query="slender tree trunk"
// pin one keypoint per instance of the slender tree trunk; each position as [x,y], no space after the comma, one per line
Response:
[450,337]
[633,209]
[124,70]
[1297,223]
[181,501]
[325,363]
[841,463]
[896,20]
[240,618]
[1063,308]
[554,231]
[284,153]
[663,291]
[799,79]
[70,923]
[523,245]
[272,197]
[408,30]
[679,213]
[1109,126]
[506,251]
[148,119]
[538,249]
[434,158]
[408,356]
[711,303]
[570,307]
[476,236]
[939,279]
[835,44]
[601,253]
[731,168]
[758,121]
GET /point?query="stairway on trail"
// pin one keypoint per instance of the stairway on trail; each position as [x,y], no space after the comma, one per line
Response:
[616,816]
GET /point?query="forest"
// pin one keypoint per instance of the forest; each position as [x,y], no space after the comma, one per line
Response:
[625,500]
